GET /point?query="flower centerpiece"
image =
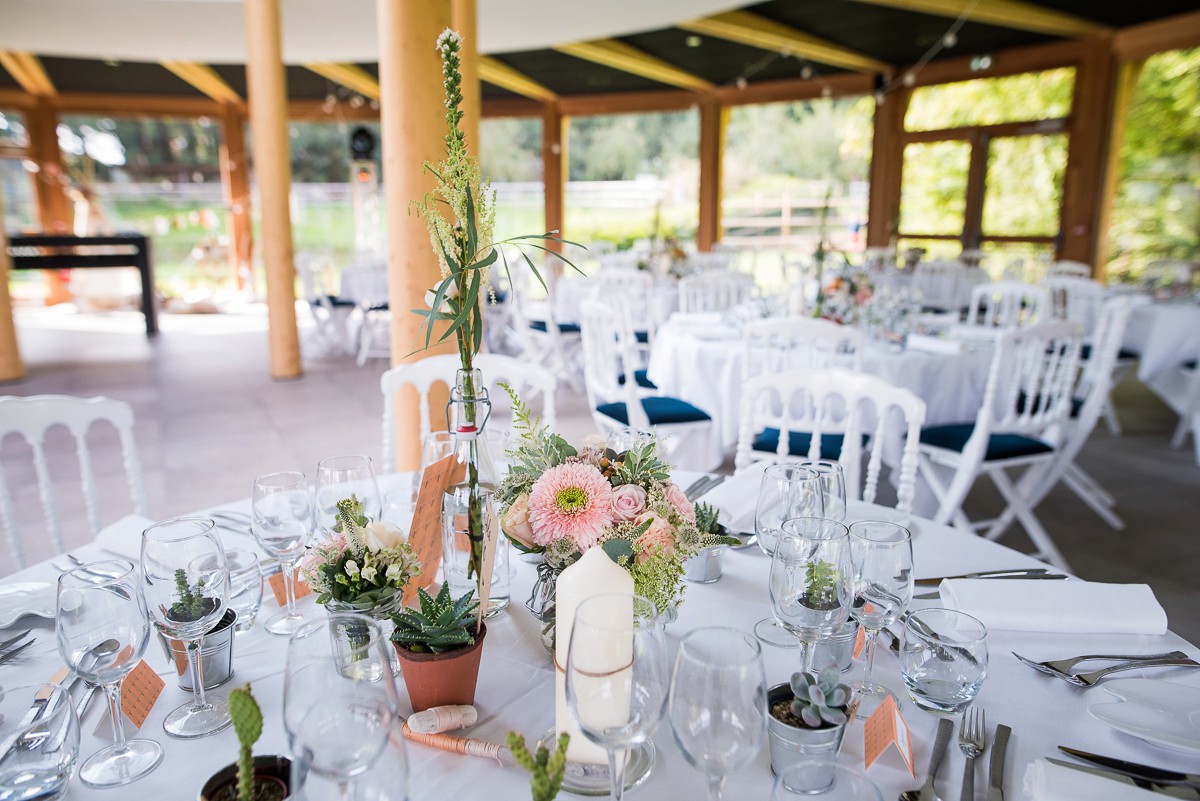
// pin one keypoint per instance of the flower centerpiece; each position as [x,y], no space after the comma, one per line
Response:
[847,296]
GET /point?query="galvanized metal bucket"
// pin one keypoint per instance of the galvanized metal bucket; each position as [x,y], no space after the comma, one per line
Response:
[705,567]
[792,744]
[216,654]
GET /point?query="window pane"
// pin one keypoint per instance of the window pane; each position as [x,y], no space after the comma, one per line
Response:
[933,198]
[1024,185]
[510,156]
[16,187]
[986,101]
[12,129]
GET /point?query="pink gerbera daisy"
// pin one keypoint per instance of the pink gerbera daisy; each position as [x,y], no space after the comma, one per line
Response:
[571,500]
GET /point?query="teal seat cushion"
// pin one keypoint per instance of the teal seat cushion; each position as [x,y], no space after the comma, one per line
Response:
[1123,355]
[564,328]
[639,378]
[643,337]
[659,410]
[1000,446]
[799,442]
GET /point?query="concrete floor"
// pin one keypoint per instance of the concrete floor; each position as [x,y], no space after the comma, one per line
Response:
[209,419]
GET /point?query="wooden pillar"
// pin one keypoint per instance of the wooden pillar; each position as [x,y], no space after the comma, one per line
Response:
[54,207]
[413,126]
[235,180]
[554,168]
[887,167]
[1087,154]
[267,91]
[464,19]
[1127,80]
[11,366]
[713,117]
[972,236]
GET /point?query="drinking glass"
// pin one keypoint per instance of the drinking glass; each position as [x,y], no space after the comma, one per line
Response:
[340,477]
[881,556]
[435,446]
[787,491]
[186,582]
[624,439]
[37,753]
[943,659]
[245,586]
[810,580]
[718,702]
[282,522]
[833,487]
[616,676]
[102,631]
[794,783]
[339,720]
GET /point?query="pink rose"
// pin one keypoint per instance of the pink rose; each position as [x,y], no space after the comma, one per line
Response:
[628,501]
[516,522]
[676,497]
[658,539]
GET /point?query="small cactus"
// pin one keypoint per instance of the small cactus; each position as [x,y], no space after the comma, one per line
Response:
[546,769]
[247,724]
[820,699]
[190,605]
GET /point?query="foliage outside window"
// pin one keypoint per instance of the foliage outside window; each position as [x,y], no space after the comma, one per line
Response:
[1024,185]
[510,156]
[933,197]
[1044,95]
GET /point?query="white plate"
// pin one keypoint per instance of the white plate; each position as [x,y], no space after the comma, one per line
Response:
[1160,712]
[29,598]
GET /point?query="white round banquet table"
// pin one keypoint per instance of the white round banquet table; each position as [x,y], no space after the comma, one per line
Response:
[1164,335]
[516,686]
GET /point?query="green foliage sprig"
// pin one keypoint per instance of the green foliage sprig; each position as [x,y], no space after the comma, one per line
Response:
[821,578]
[546,769]
[247,724]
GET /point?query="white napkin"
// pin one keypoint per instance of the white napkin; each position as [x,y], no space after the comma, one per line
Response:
[928,344]
[737,497]
[1067,607]
[124,537]
[1047,782]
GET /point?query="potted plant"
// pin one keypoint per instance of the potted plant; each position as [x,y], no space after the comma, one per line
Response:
[545,769]
[439,656]
[251,778]
[808,717]
[216,651]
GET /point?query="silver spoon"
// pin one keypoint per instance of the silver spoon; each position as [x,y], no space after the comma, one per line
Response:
[106,648]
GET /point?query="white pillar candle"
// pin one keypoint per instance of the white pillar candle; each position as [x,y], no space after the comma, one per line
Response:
[593,574]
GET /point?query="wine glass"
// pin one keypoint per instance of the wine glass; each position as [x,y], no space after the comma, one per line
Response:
[245,586]
[810,580]
[339,720]
[833,486]
[340,477]
[186,581]
[718,703]
[786,491]
[616,676]
[102,631]
[882,563]
[282,523]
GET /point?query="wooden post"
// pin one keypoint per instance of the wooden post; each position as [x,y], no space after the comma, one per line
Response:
[976,188]
[713,117]
[235,180]
[412,102]
[554,168]
[54,207]
[267,91]
[464,19]
[1127,81]
[11,366]
[887,167]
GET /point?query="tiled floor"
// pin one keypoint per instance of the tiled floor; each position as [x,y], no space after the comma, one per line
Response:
[209,419]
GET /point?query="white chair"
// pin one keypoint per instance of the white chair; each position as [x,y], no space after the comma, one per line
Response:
[1028,394]
[827,414]
[541,338]
[31,418]
[330,313]
[1006,304]
[531,382]
[1185,401]
[937,283]
[714,291]
[794,343]
[635,289]
[1069,269]
[714,261]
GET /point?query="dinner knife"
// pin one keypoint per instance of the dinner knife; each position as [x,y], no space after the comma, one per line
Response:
[996,769]
[1174,791]
[1013,573]
[1134,769]
[929,596]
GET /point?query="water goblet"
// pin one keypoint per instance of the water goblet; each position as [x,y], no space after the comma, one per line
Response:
[810,580]
[881,558]
[102,630]
[718,702]
[787,491]
[833,487]
[186,582]
[282,523]
[616,676]
[341,477]
[943,659]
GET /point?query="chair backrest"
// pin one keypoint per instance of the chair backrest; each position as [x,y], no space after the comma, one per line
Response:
[1075,299]
[31,418]
[828,401]
[713,261]
[610,358]
[1069,269]
[937,281]
[1097,378]
[714,291]
[1006,304]
[530,381]
[794,343]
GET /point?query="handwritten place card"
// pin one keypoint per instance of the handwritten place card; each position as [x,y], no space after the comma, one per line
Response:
[425,536]
[886,727]
[139,692]
[280,591]
[490,536]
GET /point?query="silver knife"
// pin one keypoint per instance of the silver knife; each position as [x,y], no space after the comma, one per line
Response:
[1172,791]
[1134,769]
[996,769]
[944,730]
[1030,572]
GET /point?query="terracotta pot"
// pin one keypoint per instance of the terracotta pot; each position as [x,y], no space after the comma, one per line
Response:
[440,679]
[272,780]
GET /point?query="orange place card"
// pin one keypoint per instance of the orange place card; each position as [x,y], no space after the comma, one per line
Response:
[139,690]
[425,536]
[276,582]
[886,727]
[860,640]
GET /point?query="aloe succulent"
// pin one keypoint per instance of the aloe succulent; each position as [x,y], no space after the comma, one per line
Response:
[247,724]
[706,518]
[820,700]
[441,624]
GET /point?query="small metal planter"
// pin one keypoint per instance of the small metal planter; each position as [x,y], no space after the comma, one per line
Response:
[705,567]
[792,744]
[837,651]
[216,654]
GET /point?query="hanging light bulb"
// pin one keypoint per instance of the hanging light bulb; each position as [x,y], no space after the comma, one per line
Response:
[741,82]
[910,78]
[356,101]
[950,39]
[880,98]
[826,91]
[806,72]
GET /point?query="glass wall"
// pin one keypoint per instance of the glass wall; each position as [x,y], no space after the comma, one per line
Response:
[16,177]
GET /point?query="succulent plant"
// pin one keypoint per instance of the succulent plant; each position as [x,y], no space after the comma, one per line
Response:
[441,624]
[190,605]
[706,518]
[247,724]
[820,700]
[546,769]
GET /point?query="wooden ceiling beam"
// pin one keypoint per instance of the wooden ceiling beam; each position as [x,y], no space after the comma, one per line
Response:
[792,89]
[620,56]
[1173,33]
[754,30]
[28,71]
[1014,14]
[205,79]
[351,76]
[500,74]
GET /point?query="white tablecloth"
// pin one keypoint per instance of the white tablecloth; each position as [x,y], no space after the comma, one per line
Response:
[365,285]
[515,690]
[1165,335]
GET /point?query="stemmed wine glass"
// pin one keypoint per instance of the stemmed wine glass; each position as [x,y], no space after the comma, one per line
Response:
[616,678]
[718,703]
[810,580]
[787,491]
[339,720]
[833,486]
[186,581]
[282,523]
[102,631]
[882,563]
[340,477]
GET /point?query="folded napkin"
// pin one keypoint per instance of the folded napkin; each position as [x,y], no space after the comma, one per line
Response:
[737,496]
[124,537]
[1067,607]
[1048,782]
[928,344]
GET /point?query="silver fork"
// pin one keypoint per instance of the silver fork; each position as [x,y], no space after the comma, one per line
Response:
[1090,679]
[972,739]
[8,656]
[1062,667]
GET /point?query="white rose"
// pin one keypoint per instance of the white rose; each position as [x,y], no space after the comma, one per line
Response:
[380,536]
[351,568]
[595,441]
[451,292]
[368,573]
